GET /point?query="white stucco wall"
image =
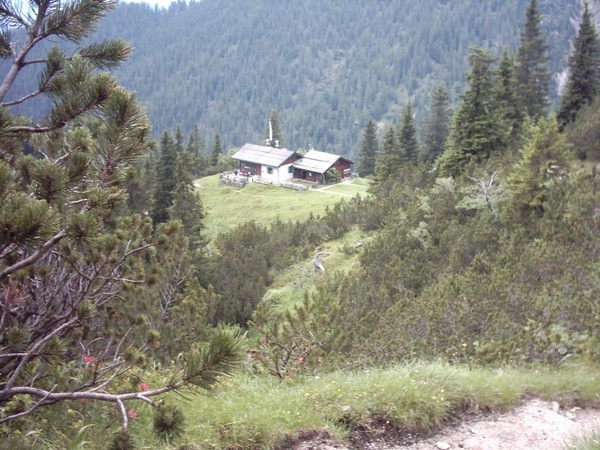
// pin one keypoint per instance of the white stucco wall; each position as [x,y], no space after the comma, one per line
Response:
[279,175]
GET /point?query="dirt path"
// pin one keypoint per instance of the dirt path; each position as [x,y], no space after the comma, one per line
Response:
[323,190]
[536,425]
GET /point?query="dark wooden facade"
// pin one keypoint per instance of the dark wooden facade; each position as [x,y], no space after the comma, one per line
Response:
[314,166]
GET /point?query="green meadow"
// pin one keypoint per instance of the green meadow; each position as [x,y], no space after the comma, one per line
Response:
[228,206]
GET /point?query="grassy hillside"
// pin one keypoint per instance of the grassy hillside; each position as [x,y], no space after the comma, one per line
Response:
[227,206]
[288,287]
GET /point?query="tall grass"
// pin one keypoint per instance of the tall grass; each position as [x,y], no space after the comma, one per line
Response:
[589,443]
[257,412]
[250,411]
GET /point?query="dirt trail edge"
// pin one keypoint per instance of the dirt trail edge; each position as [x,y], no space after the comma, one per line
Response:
[535,425]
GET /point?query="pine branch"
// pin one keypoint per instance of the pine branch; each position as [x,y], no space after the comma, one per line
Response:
[64,116]
[36,256]
[33,351]
[48,397]
[108,54]
[22,99]
[77,20]
[202,370]
[9,17]
[206,363]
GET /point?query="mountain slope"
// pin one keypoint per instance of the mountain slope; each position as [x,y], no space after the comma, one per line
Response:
[325,67]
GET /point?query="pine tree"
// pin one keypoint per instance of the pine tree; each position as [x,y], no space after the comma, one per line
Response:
[241,272]
[298,338]
[533,77]
[273,134]
[436,126]
[217,150]
[476,132]
[407,135]
[165,180]
[69,250]
[583,83]
[368,151]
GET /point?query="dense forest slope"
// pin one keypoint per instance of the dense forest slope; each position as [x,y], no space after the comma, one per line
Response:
[325,67]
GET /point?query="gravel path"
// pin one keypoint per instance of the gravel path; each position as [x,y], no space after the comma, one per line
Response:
[536,425]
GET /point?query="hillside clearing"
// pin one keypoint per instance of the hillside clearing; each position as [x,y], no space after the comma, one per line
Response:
[340,255]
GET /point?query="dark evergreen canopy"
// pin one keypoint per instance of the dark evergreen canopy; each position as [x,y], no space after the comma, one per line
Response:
[407,135]
[389,159]
[368,150]
[477,132]
[165,179]
[533,76]
[584,70]
[217,149]
[435,126]
[510,111]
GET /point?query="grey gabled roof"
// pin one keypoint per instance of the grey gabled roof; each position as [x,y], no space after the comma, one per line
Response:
[315,161]
[263,154]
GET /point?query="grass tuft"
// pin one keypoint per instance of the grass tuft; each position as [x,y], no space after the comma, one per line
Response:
[591,442]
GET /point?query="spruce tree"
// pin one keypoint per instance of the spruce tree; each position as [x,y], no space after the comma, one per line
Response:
[194,143]
[407,135]
[368,151]
[217,150]
[509,110]
[195,147]
[533,77]
[435,126]
[583,132]
[178,141]
[165,180]
[476,132]
[389,158]
[186,205]
[140,186]
[583,83]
